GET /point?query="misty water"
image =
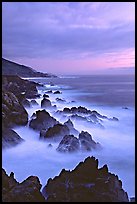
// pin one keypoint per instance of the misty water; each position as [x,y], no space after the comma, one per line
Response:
[107,95]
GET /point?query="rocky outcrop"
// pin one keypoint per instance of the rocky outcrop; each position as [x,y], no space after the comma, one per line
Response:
[86,142]
[57,92]
[60,100]
[69,143]
[45,96]
[86,183]
[27,191]
[45,103]
[70,125]
[21,88]
[42,120]
[13,112]
[55,132]
[10,138]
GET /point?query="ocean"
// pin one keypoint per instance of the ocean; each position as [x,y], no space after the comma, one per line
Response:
[113,96]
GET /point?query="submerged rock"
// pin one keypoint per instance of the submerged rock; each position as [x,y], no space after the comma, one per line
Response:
[42,120]
[69,143]
[26,191]
[86,183]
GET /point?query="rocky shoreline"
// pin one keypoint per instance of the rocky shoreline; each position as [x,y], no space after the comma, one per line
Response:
[86,182]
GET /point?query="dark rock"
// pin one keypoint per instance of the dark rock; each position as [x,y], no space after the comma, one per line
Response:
[86,183]
[70,125]
[66,110]
[125,108]
[50,145]
[27,191]
[57,92]
[45,103]
[45,96]
[86,141]
[43,120]
[10,138]
[57,130]
[115,119]
[132,199]
[69,143]
[50,91]
[26,103]
[60,100]
[13,112]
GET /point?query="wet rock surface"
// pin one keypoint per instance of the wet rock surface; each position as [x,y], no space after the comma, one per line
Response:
[42,120]
[57,131]
[69,143]
[86,183]
[26,191]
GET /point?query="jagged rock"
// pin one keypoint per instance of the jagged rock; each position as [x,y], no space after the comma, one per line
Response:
[43,120]
[86,183]
[27,191]
[57,130]
[10,138]
[57,92]
[70,125]
[13,113]
[86,141]
[69,143]
[45,103]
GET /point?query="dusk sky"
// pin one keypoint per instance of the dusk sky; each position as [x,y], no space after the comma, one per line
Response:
[70,38]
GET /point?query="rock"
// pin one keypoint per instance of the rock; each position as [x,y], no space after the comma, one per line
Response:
[33,102]
[86,183]
[70,125]
[125,108]
[69,143]
[57,92]
[45,96]
[45,103]
[50,91]
[66,110]
[27,191]
[132,199]
[114,119]
[50,145]
[10,138]
[13,112]
[43,120]
[86,141]
[57,131]
[60,100]
[26,103]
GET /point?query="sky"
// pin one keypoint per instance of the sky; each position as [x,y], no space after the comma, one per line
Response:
[70,37]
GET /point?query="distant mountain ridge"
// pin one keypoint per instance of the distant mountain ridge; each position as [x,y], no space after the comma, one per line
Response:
[12,68]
